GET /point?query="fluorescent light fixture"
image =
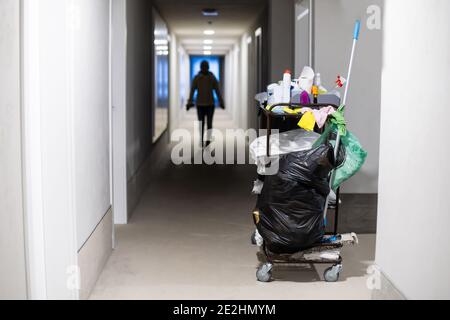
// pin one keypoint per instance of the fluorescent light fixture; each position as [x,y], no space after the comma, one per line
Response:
[162,53]
[206,48]
[209,12]
[163,48]
[208,41]
[161,42]
[209,32]
[207,53]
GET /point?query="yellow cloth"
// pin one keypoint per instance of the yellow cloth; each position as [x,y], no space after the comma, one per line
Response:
[308,121]
[293,111]
[289,110]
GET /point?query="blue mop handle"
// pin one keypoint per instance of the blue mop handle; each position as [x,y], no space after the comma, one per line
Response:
[357,30]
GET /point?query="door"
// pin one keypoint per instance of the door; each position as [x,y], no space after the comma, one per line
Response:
[304,35]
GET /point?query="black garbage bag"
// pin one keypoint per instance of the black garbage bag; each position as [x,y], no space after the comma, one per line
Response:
[292,202]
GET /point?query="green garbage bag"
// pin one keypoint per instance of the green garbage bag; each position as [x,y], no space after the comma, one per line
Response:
[351,157]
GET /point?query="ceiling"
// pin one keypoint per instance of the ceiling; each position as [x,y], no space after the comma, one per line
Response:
[185,19]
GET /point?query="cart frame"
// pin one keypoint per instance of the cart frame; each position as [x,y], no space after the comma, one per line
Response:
[270,115]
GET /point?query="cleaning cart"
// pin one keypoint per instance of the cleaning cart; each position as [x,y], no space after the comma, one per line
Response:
[327,250]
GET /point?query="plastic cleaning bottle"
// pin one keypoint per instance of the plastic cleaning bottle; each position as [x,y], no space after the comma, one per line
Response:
[271,94]
[315,93]
[287,82]
[318,83]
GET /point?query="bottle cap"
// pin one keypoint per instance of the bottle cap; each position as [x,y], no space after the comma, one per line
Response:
[288,71]
[315,90]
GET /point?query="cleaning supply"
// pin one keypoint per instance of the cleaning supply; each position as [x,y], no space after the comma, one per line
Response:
[307,122]
[304,98]
[321,115]
[289,111]
[340,82]
[270,93]
[295,94]
[306,79]
[315,93]
[287,82]
[274,92]
[340,131]
[318,83]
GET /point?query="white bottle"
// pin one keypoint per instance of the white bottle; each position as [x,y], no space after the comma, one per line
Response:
[318,83]
[271,94]
[287,81]
[278,94]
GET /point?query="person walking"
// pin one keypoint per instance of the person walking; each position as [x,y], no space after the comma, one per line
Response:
[205,83]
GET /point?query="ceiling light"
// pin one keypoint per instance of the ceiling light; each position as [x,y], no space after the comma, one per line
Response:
[209,32]
[159,42]
[206,48]
[163,48]
[208,41]
[207,53]
[162,53]
[209,12]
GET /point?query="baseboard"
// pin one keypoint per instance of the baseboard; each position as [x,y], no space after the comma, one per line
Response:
[93,256]
[140,181]
[387,290]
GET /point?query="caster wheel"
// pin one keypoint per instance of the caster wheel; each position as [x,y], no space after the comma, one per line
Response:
[254,238]
[332,273]
[264,273]
[257,240]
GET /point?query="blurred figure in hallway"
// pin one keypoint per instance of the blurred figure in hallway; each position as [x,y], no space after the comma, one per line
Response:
[205,83]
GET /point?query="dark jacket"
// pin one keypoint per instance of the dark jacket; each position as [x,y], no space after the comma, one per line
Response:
[205,84]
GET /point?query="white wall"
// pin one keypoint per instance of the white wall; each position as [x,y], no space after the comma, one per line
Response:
[66,125]
[281,34]
[174,78]
[179,82]
[91,115]
[302,38]
[183,85]
[12,248]
[139,84]
[412,243]
[334,21]
[119,112]
[243,82]
[233,88]
[234,101]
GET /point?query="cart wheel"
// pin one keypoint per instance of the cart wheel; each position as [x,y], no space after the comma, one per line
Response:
[254,238]
[264,273]
[332,273]
[257,240]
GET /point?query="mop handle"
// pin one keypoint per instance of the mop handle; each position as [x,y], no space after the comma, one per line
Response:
[355,40]
[357,30]
[338,138]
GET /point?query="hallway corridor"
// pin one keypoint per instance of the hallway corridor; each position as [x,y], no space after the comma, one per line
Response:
[189,238]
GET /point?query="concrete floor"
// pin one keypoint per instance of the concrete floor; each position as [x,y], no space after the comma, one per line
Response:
[189,238]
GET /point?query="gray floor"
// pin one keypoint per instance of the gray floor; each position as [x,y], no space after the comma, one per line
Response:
[189,238]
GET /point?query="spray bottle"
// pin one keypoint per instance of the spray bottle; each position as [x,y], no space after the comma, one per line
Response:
[287,82]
